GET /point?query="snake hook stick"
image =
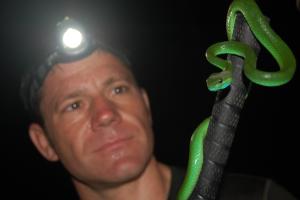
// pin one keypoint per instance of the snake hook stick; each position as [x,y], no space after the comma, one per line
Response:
[210,144]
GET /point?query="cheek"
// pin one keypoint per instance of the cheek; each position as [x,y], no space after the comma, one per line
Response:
[140,111]
[142,127]
[67,138]
[140,119]
[141,116]
[71,125]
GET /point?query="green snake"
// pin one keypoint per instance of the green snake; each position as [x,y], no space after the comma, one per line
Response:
[262,31]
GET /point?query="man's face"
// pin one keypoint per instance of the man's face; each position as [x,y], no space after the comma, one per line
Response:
[97,120]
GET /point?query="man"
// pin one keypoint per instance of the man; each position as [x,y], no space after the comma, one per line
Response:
[90,114]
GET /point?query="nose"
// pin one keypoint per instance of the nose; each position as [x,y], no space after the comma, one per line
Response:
[104,113]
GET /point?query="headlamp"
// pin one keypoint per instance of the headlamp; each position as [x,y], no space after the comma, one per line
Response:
[73,42]
[72,38]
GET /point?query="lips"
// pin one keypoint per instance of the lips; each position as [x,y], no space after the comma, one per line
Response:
[113,144]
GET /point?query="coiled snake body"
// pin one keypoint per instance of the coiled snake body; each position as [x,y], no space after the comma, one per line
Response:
[271,41]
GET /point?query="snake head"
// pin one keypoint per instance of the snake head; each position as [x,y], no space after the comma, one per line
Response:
[219,81]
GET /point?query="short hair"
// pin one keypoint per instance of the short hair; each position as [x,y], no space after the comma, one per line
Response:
[32,81]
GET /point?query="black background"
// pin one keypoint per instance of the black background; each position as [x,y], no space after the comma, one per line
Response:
[166,41]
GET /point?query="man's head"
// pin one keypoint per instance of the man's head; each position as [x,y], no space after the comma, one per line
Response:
[95,118]
[32,81]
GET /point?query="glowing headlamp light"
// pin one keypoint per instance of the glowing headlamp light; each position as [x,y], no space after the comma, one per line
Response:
[74,43]
[72,38]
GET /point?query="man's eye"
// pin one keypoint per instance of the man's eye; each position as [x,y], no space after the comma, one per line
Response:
[120,90]
[73,106]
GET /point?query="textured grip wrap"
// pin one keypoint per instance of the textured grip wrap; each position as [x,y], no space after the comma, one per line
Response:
[224,120]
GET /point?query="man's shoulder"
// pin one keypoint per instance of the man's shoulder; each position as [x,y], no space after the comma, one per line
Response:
[177,177]
[249,187]
[238,186]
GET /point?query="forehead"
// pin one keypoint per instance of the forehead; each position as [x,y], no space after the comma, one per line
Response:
[98,66]
[98,60]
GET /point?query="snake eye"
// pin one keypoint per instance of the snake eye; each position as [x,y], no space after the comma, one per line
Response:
[220,80]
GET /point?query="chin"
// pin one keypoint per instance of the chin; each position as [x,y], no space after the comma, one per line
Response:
[117,166]
[129,168]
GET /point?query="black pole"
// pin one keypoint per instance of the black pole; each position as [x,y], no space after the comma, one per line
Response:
[224,119]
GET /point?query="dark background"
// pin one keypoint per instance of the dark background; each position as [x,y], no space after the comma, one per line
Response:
[166,41]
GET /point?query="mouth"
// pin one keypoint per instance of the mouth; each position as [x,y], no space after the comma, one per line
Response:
[114,144]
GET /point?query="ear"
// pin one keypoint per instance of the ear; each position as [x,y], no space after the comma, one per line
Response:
[147,102]
[41,142]
[145,98]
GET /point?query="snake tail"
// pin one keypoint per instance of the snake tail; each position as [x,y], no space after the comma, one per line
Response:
[195,160]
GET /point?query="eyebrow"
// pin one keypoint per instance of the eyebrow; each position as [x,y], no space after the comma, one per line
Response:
[111,80]
[114,79]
